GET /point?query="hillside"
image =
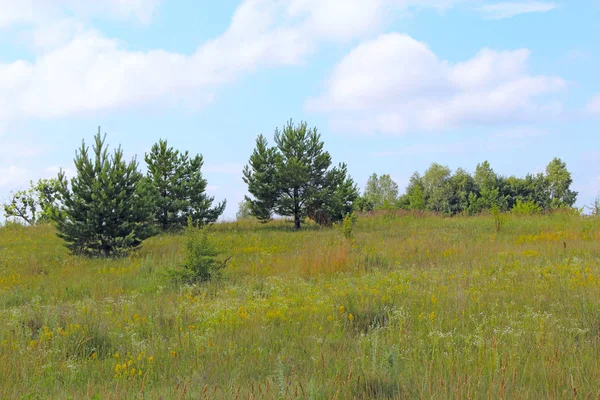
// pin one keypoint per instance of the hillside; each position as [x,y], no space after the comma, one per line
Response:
[416,307]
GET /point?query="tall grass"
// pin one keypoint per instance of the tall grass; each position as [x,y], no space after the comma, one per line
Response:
[414,307]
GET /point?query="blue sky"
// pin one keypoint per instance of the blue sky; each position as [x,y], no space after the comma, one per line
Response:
[392,85]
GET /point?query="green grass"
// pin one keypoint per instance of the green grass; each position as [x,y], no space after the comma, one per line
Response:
[414,307]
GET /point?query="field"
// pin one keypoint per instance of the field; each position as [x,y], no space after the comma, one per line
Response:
[415,307]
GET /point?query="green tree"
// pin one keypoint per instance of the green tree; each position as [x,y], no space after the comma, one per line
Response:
[201,261]
[488,191]
[337,198]
[293,177]
[436,188]
[244,211]
[559,184]
[179,189]
[106,209]
[382,191]
[362,204]
[414,198]
[261,177]
[34,205]
[462,185]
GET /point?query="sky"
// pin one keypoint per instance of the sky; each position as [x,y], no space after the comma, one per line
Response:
[391,85]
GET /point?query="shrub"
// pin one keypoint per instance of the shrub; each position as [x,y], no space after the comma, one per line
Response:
[348,226]
[526,208]
[499,217]
[201,262]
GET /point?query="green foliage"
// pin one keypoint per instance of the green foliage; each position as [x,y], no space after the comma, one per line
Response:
[499,217]
[106,211]
[336,199]
[244,210]
[559,182]
[461,185]
[415,193]
[200,263]
[261,177]
[35,204]
[440,191]
[487,193]
[526,208]
[178,188]
[363,204]
[382,192]
[293,178]
[348,226]
[437,188]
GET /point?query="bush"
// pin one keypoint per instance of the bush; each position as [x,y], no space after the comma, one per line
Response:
[348,226]
[201,262]
[526,208]
[499,217]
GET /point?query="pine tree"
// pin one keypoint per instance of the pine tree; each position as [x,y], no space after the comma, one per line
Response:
[179,188]
[106,210]
[261,177]
[293,178]
[343,192]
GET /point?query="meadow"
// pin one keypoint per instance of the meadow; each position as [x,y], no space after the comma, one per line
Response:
[414,307]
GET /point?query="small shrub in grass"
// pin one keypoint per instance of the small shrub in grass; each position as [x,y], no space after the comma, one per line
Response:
[348,226]
[499,217]
[526,208]
[201,261]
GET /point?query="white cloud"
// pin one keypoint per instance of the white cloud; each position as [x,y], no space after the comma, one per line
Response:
[15,12]
[79,70]
[395,83]
[511,9]
[593,106]
[94,73]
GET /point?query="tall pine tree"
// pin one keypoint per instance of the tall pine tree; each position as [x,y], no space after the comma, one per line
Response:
[293,178]
[106,210]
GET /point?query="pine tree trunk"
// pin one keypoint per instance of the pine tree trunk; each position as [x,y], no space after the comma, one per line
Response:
[296,210]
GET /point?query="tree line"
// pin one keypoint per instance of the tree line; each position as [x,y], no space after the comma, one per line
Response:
[110,206]
[441,191]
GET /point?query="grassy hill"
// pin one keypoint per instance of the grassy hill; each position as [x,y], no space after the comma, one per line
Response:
[416,307]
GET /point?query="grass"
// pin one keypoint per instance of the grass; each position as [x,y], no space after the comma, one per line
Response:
[413,307]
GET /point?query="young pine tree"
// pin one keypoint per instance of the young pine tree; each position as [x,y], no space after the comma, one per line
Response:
[106,210]
[179,189]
